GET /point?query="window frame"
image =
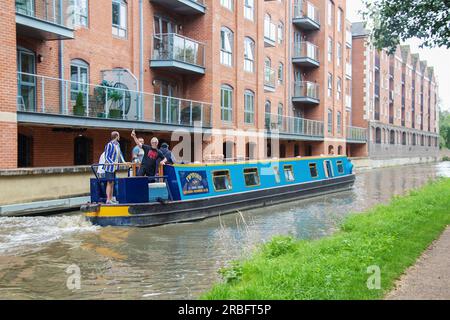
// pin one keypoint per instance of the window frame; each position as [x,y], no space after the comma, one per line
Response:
[285,167]
[257,175]
[226,175]
[225,88]
[119,27]
[313,165]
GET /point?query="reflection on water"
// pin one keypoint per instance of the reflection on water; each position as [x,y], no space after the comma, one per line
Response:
[174,261]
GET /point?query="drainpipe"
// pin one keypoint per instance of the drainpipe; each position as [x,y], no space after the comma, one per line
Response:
[61,76]
[141,59]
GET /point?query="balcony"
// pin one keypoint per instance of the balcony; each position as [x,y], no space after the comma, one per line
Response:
[303,128]
[269,80]
[306,54]
[348,71]
[348,38]
[348,102]
[306,92]
[175,53]
[52,101]
[356,135]
[270,33]
[183,7]
[44,19]
[306,16]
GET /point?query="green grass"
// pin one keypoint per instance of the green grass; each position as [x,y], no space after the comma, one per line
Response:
[391,237]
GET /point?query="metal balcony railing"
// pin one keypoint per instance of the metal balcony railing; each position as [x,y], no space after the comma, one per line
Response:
[294,125]
[46,95]
[356,134]
[306,49]
[306,89]
[58,12]
[305,9]
[172,46]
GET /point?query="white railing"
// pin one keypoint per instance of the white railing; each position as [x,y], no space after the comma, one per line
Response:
[356,134]
[306,89]
[306,49]
[47,95]
[305,9]
[294,125]
[58,12]
[172,46]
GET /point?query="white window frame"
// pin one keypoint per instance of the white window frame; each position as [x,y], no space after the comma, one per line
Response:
[121,30]
[249,9]
[249,55]
[226,46]
[249,107]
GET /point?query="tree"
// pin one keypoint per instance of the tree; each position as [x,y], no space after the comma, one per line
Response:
[444,128]
[394,21]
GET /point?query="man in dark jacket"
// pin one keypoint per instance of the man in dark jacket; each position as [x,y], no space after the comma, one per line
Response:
[151,156]
[167,153]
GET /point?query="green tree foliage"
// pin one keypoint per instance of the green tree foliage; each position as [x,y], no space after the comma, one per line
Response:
[395,21]
[444,120]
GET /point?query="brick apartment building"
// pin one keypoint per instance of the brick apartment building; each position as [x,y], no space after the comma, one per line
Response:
[398,95]
[74,70]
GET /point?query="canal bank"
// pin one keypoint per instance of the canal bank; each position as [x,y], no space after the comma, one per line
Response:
[361,261]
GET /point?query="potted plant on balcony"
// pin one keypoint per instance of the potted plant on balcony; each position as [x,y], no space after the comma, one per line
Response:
[79,108]
[107,95]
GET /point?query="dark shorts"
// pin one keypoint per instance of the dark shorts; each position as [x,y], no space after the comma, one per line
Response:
[110,175]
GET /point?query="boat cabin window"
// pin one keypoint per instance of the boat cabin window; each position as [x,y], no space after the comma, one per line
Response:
[340,167]
[289,173]
[313,170]
[222,180]
[276,172]
[251,177]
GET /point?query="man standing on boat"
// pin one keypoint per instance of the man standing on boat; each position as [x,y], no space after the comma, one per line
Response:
[113,155]
[151,156]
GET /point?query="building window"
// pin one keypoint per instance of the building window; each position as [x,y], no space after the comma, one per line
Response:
[339,20]
[330,121]
[81,13]
[339,54]
[226,49]
[330,85]
[249,107]
[280,32]
[339,88]
[268,111]
[227,4]
[249,9]
[330,49]
[119,18]
[79,77]
[280,116]
[280,73]
[249,55]
[226,103]
[330,13]
[339,122]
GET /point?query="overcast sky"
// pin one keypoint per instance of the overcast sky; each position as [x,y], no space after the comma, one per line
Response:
[438,58]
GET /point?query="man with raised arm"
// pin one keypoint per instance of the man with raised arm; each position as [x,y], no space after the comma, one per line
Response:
[151,155]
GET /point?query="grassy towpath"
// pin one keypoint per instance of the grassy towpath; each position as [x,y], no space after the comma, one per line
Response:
[361,261]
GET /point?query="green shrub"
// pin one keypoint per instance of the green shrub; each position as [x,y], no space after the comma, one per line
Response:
[79,109]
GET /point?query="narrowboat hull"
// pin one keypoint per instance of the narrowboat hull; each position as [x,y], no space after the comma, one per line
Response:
[155,214]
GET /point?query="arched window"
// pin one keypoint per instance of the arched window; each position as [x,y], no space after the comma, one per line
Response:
[339,122]
[331,150]
[226,46]
[226,103]
[249,55]
[392,140]
[79,77]
[340,150]
[280,32]
[267,112]
[330,121]
[83,151]
[280,116]
[249,107]
[378,138]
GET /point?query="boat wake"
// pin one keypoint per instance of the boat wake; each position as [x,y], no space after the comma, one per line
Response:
[22,234]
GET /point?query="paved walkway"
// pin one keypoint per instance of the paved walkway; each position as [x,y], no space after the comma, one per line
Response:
[429,278]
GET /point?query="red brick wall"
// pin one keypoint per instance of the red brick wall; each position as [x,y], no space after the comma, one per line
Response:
[8,89]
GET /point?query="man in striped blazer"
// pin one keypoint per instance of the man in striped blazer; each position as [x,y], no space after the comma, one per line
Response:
[113,155]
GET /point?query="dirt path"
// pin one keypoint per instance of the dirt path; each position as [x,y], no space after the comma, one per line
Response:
[429,278]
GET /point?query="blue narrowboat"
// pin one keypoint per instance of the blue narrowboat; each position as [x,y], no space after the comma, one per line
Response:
[189,192]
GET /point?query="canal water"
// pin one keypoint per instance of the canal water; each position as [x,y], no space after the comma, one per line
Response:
[40,257]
